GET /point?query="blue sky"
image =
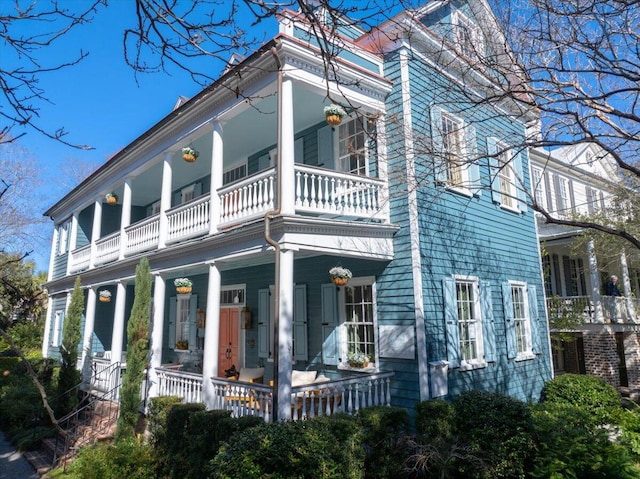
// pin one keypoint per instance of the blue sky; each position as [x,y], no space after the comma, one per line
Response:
[98,102]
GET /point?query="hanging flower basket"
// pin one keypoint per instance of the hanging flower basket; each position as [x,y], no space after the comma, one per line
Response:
[183,285]
[333,114]
[111,198]
[104,296]
[339,275]
[189,154]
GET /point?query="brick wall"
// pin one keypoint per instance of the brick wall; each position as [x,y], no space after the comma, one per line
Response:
[601,357]
[632,359]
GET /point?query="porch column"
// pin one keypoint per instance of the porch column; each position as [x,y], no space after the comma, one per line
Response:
[383,174]
[211,333]
[285,335]
[595,283]
[287,148]
[626,283]
[217,168]
[118,323]
[47,325]
[89,324]
[165,199]
[157,330]
[95,230]
[125,217]
[72,239]
[53,254]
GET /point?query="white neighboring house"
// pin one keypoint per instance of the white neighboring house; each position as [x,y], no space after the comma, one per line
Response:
[579,179]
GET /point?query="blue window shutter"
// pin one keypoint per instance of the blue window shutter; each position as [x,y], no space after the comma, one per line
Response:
[494,170]
[264,313]
[172,321]
[439,164]
[191,324]
[197,189]
[329,296]
[300,349]
[518,162]
[325,147]
[451,322]
[263,162]
[534,319]
[507,301]
[488,324]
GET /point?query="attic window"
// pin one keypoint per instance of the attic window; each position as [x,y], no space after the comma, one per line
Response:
[468,35]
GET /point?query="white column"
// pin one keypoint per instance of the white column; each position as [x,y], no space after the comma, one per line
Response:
[287,148]
[217,168]
[157,330]
[95,230]
[73,237]
[125,217]
[47,326]
[626,283]
[211,336]
[117,335]
[383,200]
[89,324]
[285,335]
[165,199]
[54,253]
[595,283]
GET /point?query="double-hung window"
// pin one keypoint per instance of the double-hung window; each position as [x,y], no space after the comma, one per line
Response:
[521,315]
[507,176]
[357,310]
[521,318]
[468,35]
[469,326]
[452,142]
[352,147]
[539,187]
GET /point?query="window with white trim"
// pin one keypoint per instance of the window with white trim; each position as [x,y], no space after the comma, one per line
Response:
[453,150]
[63,237]
[469,320]
[233,174]
[182,319]
[507,177]
[58,323]
[538,187]
[155,208]
[520,303]
[188,193]
[352,147]
[468,35]
[358,319]
[563,201]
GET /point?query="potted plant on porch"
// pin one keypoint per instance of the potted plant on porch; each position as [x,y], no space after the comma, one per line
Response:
[183,285]
[339,275]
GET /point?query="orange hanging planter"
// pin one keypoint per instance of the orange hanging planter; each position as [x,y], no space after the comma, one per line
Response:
[334,114]
[333,120]
[339,275]
[189,154]
[111,198]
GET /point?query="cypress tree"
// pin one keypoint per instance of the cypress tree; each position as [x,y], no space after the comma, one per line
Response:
[69,376]
[137,352]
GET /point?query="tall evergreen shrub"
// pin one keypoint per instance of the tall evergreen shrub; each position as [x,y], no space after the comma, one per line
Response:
[69,377]
[137,352]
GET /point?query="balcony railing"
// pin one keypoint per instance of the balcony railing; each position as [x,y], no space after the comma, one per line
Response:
[614,309]
[317,191]
[185,385]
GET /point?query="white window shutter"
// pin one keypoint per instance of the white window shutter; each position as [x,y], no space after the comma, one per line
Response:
[329,296]
[451,322]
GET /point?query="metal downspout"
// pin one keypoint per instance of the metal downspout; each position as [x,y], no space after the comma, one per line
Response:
[267,236]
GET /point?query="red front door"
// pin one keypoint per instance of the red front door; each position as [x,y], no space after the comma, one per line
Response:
[228,347]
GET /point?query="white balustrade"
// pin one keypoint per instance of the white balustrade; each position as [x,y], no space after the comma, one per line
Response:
[189,220]
[80,258]
[107,248]
[187,386]
[247,199]
[338,194]
[143,235]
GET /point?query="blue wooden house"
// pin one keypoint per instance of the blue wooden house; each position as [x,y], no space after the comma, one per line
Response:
[247,196]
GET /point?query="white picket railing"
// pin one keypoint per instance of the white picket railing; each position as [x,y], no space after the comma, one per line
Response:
[337,194]
[143,235]
[247,199]
[80,259]
[185,385]
[189,220]
[107,248]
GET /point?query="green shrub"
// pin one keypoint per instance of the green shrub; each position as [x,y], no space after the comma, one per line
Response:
[588,392]
[574,445]
[384,430]
[435,420]
[159,408]
[497,428]
[129,458]
[323,448]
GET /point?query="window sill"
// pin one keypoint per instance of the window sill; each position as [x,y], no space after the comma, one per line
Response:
[458,190]
[525,357]
[512,209]
[368,369]
[469,366]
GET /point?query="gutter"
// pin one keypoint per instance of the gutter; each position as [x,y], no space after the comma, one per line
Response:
[267,236]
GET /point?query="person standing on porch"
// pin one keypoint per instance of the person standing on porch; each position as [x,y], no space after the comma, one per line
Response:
[612,286]
[613,291]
